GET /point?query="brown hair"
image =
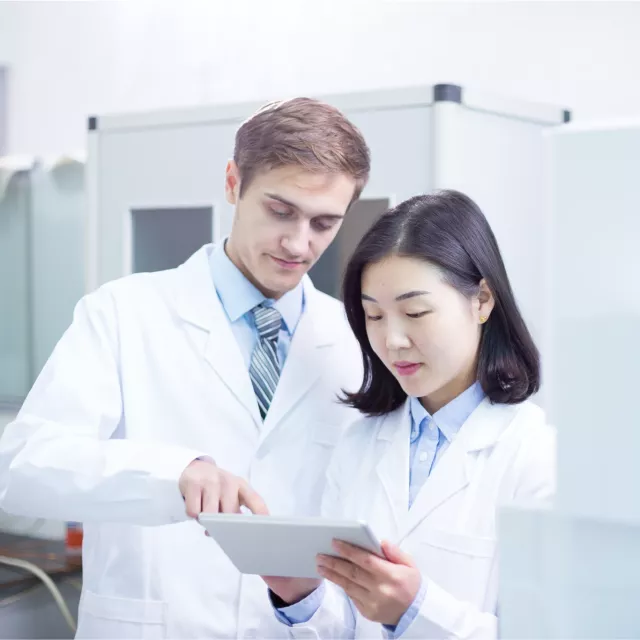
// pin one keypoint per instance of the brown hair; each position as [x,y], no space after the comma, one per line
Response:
[303,132]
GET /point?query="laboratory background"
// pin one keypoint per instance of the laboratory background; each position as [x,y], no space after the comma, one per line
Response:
[116,123]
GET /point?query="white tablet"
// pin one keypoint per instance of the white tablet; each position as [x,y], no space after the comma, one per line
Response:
[276,546]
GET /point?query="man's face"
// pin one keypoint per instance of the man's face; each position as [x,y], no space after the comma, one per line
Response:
[284,221]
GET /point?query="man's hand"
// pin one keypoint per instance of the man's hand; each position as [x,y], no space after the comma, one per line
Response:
[208,489]
[381,590]
[292,590]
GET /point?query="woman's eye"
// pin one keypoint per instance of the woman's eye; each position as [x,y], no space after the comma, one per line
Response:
[373,318]
[418,315]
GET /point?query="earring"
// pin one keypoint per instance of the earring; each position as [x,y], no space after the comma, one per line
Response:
[483,319]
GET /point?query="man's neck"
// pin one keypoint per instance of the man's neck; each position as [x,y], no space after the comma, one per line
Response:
[229,249]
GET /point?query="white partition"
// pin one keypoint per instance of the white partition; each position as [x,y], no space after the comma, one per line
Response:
[16,361]
[42,264]
[596,318]
[574,571]
[58,209]
[421,138]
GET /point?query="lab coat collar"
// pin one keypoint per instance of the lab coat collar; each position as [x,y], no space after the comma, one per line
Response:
[198,304]
[452,474]
[393,467]
[453,415]
[486,425]
[475,436]
[196,300]
[481,430]
[306,358]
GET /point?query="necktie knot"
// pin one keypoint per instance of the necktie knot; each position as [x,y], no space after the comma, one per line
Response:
[268,322]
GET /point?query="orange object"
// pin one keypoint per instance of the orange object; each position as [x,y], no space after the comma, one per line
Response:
[73,540]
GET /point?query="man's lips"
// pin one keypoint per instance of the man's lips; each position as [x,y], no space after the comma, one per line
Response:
[288,264]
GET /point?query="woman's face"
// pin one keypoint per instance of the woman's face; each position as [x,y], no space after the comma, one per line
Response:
[424,331]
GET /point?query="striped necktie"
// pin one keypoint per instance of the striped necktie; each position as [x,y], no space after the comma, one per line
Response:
[264,369]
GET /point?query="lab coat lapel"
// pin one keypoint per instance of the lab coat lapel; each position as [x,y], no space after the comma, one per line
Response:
[304,365]
[455,469]
[449,476]
[393,467]
[199,305]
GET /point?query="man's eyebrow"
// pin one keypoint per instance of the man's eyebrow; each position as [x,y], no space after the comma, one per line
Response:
[293,205]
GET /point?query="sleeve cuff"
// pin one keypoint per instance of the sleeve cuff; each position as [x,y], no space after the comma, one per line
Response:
[409,615]
[301,611]
[166,468]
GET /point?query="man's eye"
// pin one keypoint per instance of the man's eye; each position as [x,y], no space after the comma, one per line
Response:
[323,225]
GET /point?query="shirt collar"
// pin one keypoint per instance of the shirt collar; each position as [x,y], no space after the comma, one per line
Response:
[238,296]
[452,416]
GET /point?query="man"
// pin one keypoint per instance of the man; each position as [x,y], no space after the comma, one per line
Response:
[174,392]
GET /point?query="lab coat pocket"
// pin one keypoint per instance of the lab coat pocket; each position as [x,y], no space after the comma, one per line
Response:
[109,617]
[458,563]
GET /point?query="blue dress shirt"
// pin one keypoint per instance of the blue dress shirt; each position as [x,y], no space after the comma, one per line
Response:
[429,439]
[238,297]
[432,435]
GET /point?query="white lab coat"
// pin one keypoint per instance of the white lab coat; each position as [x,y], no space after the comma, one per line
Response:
[502,454]
[148,377]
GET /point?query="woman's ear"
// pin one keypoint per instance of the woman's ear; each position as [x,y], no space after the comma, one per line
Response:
[486,302]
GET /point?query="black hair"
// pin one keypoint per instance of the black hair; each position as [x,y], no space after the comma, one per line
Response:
[448,230]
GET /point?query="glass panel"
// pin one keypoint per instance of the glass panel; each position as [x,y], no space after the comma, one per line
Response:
[165,238]
[58,245]
[15,307]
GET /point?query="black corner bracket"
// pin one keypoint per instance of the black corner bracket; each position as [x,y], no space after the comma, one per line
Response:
[447,93]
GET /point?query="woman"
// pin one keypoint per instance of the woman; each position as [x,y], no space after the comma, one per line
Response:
[449,435]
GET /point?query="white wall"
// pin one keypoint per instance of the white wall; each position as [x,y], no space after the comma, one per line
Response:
[71,59]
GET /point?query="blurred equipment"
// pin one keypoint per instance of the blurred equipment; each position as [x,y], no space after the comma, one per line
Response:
[39,588]
[73,538]
[574,571]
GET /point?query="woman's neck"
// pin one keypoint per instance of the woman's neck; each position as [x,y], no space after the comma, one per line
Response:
[449,392]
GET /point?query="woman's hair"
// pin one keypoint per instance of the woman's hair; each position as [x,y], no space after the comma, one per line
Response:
[448,230]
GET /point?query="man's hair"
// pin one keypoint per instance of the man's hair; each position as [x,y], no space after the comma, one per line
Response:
[301,132]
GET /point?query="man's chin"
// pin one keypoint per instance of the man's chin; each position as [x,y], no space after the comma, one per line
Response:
[284,284]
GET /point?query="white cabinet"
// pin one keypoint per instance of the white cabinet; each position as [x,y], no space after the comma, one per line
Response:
[574,571]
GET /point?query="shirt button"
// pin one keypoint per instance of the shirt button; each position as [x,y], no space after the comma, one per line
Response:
[423,457]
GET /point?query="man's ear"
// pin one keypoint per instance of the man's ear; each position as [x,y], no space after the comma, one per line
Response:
[232,182]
